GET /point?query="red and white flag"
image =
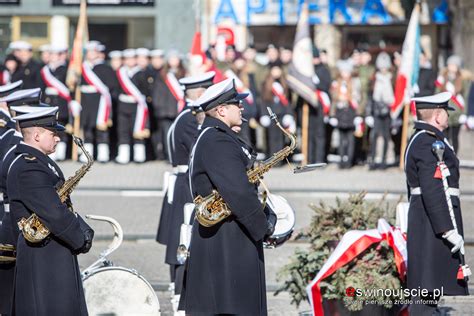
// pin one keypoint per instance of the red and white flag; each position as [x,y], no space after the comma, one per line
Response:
[407,76]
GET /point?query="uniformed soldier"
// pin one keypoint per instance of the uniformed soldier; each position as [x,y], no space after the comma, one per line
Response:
[434,245]
[47,276]
[7,125]
[8,231]
[55,91]
[28,69]
[132,110]
[225,271]
[115,59]
[98,87]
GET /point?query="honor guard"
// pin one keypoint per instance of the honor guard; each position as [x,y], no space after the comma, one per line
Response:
[7,125]
[132,110]
[435,231]
[225,271]
[183,133]
[55,91]
[115,59]
[28,69]
[8,231]
[32,183]
[98,87]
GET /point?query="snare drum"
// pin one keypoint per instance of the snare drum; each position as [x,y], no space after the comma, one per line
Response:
[285,221]
[119,291]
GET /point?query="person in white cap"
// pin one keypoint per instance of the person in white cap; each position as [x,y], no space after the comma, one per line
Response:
[7,125]
[225,270]
[115,59]
[32,183]
[44,54]
[28,69]
[453,80]
[98,86]
[55,91]
[132,110]
[435,241]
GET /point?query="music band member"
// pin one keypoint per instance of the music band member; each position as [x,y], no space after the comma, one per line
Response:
[434,244]
[225,272]
[47,276]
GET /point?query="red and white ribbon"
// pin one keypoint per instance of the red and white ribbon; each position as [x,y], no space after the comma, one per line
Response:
[176,90]
[5,77]
[239,85]
[279,92]
[54,83]
[105,103]
[457,99]
[142,111]
[352,244]
[324,100]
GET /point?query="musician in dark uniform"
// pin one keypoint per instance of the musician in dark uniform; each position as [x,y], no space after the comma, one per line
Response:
[434,245]
[183,133]
[7,125]
[47,276]
[28,69]
[132,110]
[225,272]
[55,91]
[98,88]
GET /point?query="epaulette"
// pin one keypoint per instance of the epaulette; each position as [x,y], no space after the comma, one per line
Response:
[3,123]
[30,158]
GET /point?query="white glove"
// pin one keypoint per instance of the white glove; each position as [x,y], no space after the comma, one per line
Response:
[358,120]
[265,121]
[287,120]
[462,119]
[456,240]
[326,119]
[333,121]
[470,122]
[75,107]
[369,120]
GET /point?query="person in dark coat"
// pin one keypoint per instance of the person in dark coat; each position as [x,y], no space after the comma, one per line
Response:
[434,244]
[28,69]
[47,276]
[426,77]
[184,131]
[225,272]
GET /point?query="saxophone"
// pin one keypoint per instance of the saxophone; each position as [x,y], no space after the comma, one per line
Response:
[212,208]
[32,228]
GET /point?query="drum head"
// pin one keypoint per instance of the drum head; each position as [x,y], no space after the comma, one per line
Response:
[119,291]
[285,215]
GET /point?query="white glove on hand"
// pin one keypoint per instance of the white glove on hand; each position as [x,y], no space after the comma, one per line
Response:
[333,121]
[369,120]
[358,120]
[462,119]
[326,119]
[75,107]
[456,240]
[470,122]
[287,120]
[265,121]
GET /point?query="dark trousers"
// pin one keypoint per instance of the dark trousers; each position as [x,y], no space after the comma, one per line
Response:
[316,136]
[126,114]
[90,108]
[346,146]
[418,309]
[453,136]
[158,137]
[381,128]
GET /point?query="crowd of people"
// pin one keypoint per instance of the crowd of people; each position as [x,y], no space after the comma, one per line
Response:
[128,99]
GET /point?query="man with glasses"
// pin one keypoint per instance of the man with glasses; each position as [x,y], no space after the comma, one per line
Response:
[435,245]
[225,271]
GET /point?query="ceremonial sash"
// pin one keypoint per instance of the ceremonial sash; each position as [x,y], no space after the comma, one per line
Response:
[5,77]
[129,88]
[175,89]
[457,99]
[352,244]
[324,100]
[53,82]
[105,103]
[279,92]
[239,85]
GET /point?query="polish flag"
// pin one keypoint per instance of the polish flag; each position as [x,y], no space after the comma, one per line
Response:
[407,76]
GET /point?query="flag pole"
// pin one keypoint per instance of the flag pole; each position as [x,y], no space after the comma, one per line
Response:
[304,132]
[403,145]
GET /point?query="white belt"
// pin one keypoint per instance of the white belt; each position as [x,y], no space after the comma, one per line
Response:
[6,208]
[181,168]
[1,197]
[88,89]
[127,98]
[451,191]
[51,91]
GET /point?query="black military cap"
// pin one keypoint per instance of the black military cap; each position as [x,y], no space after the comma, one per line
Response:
[23,97]
[9,88]
[46,118]
[437,101]
[201,81]
[223,92]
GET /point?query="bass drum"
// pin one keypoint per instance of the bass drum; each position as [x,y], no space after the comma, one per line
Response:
[285,221]
[119,291]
